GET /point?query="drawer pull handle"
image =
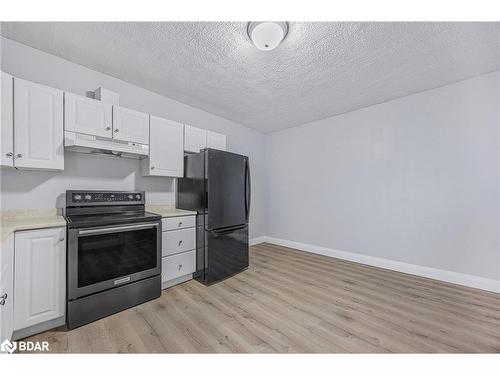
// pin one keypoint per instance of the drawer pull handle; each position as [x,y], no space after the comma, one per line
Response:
[107,128]
[180,242]
[4,296]
[180,266]
[180,223]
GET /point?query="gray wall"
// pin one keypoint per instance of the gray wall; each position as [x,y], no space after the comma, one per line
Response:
[415,180]
[35,189]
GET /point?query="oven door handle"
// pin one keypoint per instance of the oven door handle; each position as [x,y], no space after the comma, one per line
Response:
[124,228]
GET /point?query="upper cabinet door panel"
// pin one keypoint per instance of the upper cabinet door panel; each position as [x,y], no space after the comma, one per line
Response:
[216,140]
[88,116]
[130,125]
[195,139]
[7,125]
[166,152]
[38,126]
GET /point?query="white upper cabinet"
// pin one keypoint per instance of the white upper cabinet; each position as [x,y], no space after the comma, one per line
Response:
[166,154]
[38,126]
[88,116]
[7,126]
[195,139]
[216,140]
[39,276]
[130,125]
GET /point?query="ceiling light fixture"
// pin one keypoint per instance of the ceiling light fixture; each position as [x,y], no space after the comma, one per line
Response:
[267,35]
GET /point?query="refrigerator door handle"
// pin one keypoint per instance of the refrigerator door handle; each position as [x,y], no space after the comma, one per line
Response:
[247,190]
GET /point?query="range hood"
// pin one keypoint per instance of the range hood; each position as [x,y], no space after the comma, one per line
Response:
[91,144]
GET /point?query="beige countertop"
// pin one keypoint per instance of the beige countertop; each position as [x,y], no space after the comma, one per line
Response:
[14,220]
[166,210]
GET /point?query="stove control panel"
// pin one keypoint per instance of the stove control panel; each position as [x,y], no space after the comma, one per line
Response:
[104,197]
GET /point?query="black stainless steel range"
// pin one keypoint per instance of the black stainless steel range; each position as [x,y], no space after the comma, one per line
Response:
[114,253]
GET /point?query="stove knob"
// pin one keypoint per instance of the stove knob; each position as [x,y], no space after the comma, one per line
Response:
[77,197]
[130,196]
[88,197]
[138,196]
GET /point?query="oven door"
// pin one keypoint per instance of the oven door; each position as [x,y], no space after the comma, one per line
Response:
[101,258]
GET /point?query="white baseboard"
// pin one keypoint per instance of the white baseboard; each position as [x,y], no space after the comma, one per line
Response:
[256,240]
[472,281]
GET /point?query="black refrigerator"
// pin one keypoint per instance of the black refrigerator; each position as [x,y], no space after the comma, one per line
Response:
[216,184]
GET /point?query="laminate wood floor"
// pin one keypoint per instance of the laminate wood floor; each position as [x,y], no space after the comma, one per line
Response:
[290,301]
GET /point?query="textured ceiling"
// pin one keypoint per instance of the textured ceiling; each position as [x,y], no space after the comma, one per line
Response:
[320,69]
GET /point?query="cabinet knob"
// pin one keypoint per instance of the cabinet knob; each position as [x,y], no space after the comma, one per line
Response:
[152,167]
[180,266]
[2,301]
[19,155]
[107,128]
[180,242]
[180,223]
[4,296]
[117,130]
[61,239]
[9,154]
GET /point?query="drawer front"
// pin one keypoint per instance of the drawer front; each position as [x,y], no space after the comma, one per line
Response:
[178,265]
[179,222]
[178,241]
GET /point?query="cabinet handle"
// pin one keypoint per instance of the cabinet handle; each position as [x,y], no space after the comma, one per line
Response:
[19,155]
[61,239]
[4,296]
[107,128]
[180,266]
[180,223]
[117,130]
[180,242]
[152,167]
[9,154]
[2,301]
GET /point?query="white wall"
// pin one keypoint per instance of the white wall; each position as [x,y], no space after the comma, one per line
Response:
[35,189]
[414,180]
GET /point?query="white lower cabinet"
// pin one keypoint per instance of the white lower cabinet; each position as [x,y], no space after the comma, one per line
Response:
[178,249]
[7,289]
[39,277]
[178,265]
[176,241]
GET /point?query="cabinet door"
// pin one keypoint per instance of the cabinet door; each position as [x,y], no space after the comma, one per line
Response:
[38,126]
[7,289]
[216,140]
[40,276]
[166,151]
[7,133]
[194,138]
[88,116]
[130,125]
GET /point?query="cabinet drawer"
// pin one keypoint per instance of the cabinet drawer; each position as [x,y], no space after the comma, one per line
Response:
[177,241]
[178,265]
[179,222]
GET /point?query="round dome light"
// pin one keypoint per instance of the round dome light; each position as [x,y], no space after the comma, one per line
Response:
[267,35]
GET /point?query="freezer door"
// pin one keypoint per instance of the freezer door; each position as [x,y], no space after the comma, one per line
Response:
[227,180]
[227,253]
